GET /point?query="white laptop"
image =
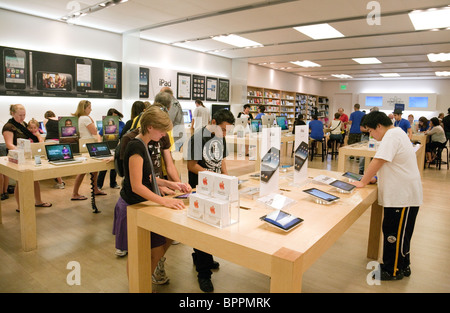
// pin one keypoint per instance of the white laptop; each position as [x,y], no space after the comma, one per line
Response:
[60,154]
[38,148]
[98,150]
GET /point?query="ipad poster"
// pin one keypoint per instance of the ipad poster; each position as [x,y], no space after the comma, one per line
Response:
[270,144]
[301,154]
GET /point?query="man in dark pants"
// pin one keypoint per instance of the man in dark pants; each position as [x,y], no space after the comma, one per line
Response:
[207,152]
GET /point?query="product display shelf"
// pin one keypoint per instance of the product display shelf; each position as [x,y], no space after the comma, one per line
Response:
[287,103]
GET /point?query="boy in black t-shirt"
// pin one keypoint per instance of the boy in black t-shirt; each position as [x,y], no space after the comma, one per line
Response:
[207,151]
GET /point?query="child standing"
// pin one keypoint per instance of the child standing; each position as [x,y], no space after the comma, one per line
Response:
[399,192]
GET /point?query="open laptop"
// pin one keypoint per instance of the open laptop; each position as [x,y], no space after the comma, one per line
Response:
[60,154]
[98,150]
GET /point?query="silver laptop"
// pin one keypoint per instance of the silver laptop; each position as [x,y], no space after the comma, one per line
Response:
[98,150]
[37,148]
[60,154]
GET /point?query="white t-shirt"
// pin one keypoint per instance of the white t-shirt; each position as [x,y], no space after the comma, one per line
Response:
[399,182]
[83,122]
[201,117]
[335,127]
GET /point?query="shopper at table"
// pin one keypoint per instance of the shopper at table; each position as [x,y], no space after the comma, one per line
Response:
[246,113]
[424,124]
[399,192]
[446,123]
[201,116]
[261,110]
[14,129]
[316,129]
[141,184]
[402,123]
[87,129]
[437,139]
[344,119]
[206,152]
[51,125]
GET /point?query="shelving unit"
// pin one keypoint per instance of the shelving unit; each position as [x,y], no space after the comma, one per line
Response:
[287,103]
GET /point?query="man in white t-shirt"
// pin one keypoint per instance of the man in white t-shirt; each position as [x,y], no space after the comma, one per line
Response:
[399,192]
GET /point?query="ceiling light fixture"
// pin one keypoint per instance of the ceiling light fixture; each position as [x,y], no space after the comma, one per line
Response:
[389,74]
[319,31]
[237,41]
[444,73]
[306,63]
[431,18]
[367,60]
[341,76]
[91,9]
[438,57]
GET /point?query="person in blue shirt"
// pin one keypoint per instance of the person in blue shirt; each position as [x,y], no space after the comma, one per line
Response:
[261,110]
[402,123]
[316,128]
[355,122]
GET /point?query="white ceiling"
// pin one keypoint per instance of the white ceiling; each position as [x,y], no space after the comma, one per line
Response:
[192,23]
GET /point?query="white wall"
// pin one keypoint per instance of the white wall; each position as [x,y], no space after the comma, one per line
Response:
[260,76]
[441,87]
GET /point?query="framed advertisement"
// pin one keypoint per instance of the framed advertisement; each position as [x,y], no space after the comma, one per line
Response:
[183,86]
[211,89]
[198,87]
[224,90]
[43,74]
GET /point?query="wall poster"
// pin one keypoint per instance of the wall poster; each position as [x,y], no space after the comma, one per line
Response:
[211,89]
[43,74]
[198,87]
[184,86]
[224,90]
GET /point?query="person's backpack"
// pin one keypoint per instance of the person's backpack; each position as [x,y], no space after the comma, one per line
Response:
[120,149]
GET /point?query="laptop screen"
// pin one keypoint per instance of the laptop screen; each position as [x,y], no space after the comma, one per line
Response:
[68,131]
[59,152]
[98,149]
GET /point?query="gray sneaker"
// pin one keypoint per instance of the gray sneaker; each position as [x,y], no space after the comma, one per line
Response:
[159,277]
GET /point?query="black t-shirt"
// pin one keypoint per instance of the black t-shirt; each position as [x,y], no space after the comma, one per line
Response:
[52,129]
[135,146]
[208,150]
[155,148]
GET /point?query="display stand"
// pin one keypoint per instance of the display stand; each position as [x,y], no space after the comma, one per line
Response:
[301,155]
[217,200]
[270,160]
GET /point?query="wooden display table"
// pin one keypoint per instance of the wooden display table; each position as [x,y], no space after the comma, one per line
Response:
[360,149]
[284,256]
[26,174]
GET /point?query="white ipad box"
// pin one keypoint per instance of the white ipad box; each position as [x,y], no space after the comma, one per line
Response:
[226,187]
[216,212]
[219,195]
[196,207]
[206,181]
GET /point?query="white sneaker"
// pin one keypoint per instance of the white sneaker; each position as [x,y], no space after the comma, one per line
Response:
[159,277]
[121,252]
[60,186]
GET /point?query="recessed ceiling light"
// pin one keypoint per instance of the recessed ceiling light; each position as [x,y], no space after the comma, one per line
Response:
[431,18]
[438,57]
[367,60]
[341,75]
[445,73]
[389,74]
[237,41]
[306,63]
[319,31]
